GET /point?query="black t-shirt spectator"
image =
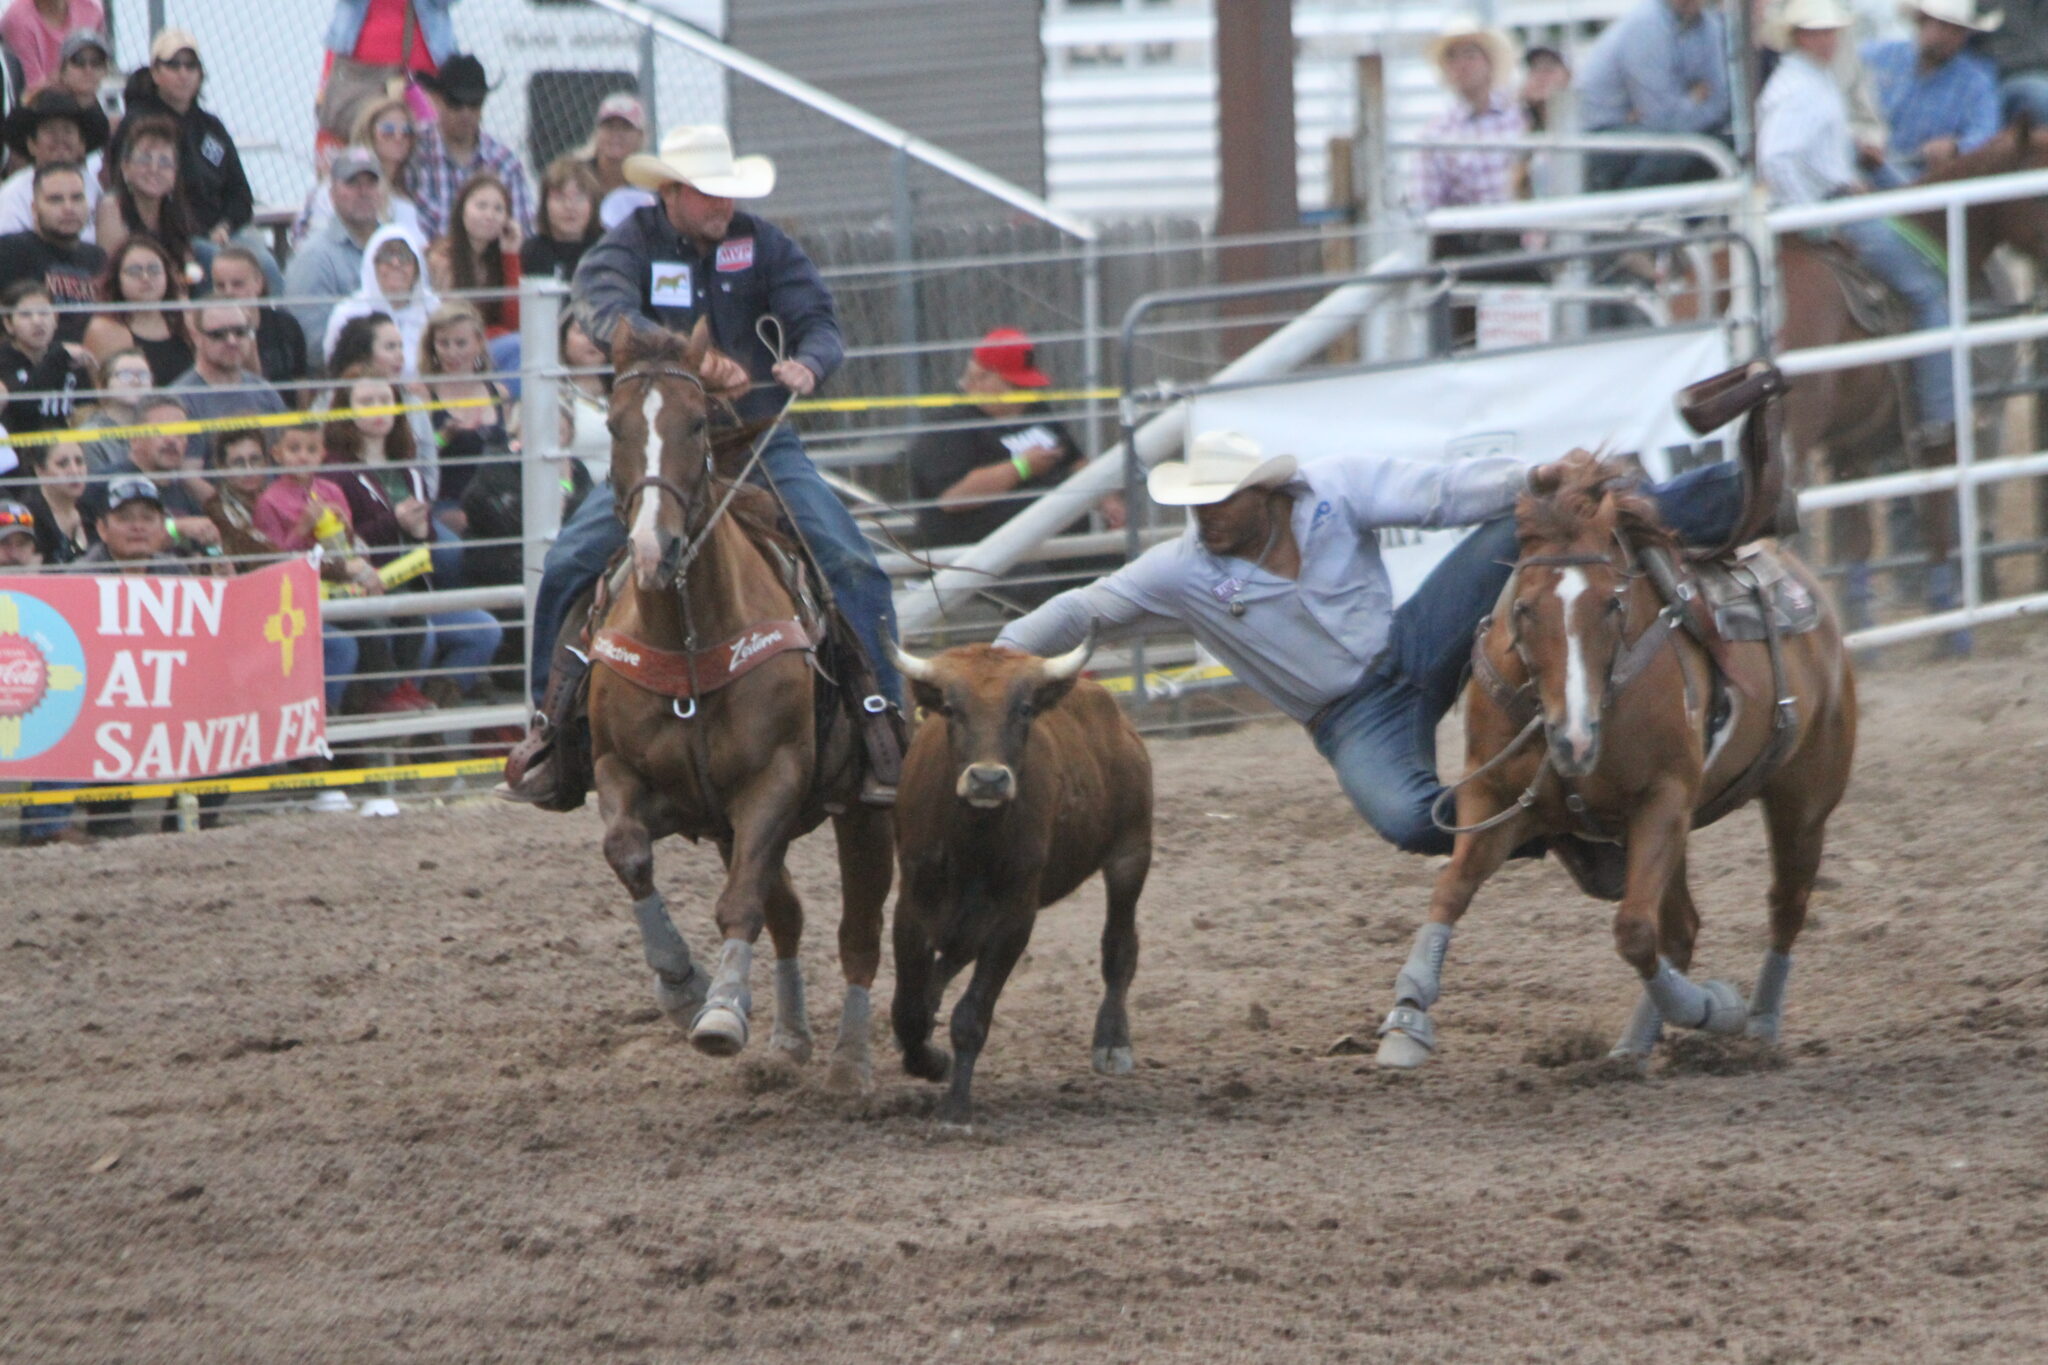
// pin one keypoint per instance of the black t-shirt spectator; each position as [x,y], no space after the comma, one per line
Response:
[55,377]
[71,274]
[540,257]
[210,173]
[940,459]
[57,547]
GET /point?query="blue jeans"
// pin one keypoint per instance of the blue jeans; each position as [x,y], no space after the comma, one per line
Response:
[2025,91]
[505,359]
[461,640]
[41,822]
[1382,738]
[338,656]
[590,538]
[1878,245]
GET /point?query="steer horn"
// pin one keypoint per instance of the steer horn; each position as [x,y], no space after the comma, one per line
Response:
[909,665]
[1067,666]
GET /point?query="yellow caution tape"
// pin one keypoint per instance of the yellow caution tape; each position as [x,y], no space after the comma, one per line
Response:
[245,422]
[1208,673]
[256,421]
[336,777]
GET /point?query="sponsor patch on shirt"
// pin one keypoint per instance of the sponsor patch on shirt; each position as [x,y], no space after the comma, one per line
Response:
[669,285]
[213,149]
[737,254]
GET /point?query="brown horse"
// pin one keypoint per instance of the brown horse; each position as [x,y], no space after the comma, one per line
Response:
[1847,419]
[1582,650]
[704,720]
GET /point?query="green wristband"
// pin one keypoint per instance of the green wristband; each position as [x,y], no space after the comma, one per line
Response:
[1023,468]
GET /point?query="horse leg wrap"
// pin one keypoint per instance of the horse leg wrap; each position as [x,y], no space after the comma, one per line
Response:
[1422,977]
[854,1020]
[729,986]
[663,947]
[1714,1006]
[1767,1006]
[1645,1028]
[792,1022]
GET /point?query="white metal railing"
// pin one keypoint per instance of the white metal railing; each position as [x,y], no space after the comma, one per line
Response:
[1960,338]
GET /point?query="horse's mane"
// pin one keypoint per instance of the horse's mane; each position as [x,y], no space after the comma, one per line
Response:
[1585,490]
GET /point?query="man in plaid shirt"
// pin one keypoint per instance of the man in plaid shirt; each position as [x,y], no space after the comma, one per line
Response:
[455,147]
[1476,63]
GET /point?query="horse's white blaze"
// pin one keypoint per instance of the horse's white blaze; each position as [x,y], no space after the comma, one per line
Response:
[1578,703]
[646,549]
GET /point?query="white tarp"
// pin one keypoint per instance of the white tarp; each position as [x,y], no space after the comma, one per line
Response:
[1616,395]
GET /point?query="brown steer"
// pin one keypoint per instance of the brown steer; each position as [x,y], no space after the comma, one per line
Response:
[1019,785]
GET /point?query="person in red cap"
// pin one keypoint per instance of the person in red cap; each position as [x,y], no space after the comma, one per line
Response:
[981,461]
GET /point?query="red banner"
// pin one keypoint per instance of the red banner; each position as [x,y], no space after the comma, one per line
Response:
[136,678]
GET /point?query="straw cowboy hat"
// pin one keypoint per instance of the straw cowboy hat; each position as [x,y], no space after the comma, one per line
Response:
[700,155]
[1219,463]
[1961,13]
[1808,14]
[1499,48]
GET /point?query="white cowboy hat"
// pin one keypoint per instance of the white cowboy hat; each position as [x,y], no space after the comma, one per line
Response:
[1219,463]
[1961,13]
[700,154]
[1499,48]
[1779,25]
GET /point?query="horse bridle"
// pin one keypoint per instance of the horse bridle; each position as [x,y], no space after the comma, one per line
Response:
[647,374]
[1628,661]
[1584,559]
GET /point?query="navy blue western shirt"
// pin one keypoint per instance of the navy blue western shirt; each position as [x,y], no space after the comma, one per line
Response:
[646,271]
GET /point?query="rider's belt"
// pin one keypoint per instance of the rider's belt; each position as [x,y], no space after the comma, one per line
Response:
[672,673]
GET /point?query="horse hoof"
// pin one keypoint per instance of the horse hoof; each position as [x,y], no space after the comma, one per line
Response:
[1114,1061]
[1762,1027]
[680,1000]
[1728,1011]
[795,1046]
[849,1076]
[1399,1052]
[719,1032]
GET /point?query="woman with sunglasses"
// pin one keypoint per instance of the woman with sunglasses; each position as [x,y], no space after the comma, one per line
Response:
[82,68]
[142,276]
[386,128]
[35,30]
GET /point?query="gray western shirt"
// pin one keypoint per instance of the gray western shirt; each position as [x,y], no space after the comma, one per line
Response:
[1301,643]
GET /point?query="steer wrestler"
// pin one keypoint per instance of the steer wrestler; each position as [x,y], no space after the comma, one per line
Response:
[1280,577]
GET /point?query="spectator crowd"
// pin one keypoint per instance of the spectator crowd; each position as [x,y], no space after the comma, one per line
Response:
[136,288]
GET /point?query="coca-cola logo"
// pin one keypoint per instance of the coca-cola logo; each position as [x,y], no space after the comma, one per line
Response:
[24,676]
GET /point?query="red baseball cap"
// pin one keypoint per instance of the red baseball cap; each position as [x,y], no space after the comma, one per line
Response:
[1007,352]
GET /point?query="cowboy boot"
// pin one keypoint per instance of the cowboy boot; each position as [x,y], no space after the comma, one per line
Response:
[546,769]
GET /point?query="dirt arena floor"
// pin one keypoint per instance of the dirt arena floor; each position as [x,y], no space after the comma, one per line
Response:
[324,1088]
